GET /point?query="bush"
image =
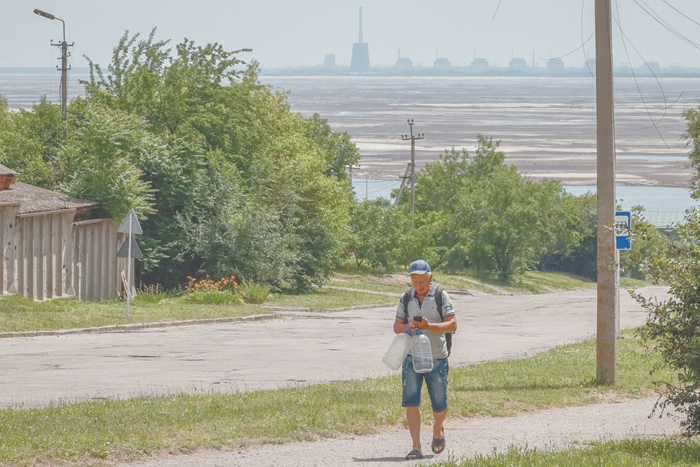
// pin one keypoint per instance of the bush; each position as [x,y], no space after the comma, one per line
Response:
[209,292]
[212,298]
[151,294]
[255,293]
[673,326]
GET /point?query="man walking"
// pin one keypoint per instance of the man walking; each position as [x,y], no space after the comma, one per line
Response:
[421,301]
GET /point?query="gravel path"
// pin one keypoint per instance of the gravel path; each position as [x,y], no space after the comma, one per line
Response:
[550,429]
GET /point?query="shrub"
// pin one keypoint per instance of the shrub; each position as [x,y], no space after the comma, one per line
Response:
[673,326]
[209,292]
[151,294]
[212,298]
[255,293]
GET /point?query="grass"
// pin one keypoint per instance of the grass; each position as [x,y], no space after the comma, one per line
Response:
[84,433]
[642,453]
[328,299]
[20,314]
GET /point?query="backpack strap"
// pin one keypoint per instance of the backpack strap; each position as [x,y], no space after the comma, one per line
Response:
[438,302]
[405,298]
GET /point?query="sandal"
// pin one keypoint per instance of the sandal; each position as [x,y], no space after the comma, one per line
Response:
[413,455]
[438,444]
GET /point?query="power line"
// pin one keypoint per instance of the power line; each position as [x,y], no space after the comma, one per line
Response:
[626,39]
[681,13]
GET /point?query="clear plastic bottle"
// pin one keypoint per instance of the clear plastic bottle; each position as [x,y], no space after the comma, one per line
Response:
[397,351]
[422,353]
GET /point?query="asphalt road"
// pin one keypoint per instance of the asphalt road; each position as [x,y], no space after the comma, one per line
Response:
[296,349]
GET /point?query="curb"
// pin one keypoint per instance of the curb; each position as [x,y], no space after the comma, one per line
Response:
[136,326]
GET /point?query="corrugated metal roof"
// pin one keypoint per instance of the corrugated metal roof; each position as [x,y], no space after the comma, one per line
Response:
[34,199]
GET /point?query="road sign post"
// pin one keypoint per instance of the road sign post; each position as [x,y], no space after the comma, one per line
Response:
[130,226]
[622,226]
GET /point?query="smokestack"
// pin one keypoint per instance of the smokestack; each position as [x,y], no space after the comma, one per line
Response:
[360,25]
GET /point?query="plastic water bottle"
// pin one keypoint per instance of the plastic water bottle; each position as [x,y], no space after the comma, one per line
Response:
[397,351]
[422,353]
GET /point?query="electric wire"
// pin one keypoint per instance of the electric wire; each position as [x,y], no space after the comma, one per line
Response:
[625,39]
[495,12]
[681,13]
[655,16]
[583,43]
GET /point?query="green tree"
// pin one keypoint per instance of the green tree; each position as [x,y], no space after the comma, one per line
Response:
[507,222]
[375,232]
[104,150]
[31,143]
[211,113]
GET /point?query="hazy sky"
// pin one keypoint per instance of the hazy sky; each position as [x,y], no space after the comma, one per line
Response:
[301,32]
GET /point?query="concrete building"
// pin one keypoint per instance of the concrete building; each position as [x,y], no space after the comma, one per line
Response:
[479,64]
[329,61]
[517,64]
[403,63]
[360,54]
[441,64]
[555,64]
[53,247]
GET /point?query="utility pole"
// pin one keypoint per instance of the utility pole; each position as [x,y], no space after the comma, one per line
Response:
[608,290]
[413,139]
[405,177]
[64,66]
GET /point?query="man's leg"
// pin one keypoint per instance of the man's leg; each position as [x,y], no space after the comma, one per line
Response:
[436,381]
[412,383]
[413,417]
[439,417]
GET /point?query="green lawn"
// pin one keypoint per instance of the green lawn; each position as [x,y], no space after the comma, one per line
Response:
[626,453]
[84,433]
[328,299]
[21,314]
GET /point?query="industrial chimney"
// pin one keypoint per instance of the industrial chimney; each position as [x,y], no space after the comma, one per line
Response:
[360,54]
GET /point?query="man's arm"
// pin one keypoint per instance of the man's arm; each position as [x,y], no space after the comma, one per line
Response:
[449,325]
[399,327]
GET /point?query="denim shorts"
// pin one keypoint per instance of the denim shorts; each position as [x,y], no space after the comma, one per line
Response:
[436,381]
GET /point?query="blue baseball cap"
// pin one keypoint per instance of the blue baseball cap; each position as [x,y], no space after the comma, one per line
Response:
[419,267]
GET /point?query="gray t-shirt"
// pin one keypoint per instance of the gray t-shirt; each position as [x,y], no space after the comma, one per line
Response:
[429,311]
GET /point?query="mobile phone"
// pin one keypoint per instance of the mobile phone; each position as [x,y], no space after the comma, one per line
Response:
[418,318]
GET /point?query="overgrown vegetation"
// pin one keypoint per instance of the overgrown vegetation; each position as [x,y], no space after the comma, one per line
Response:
[629,453]
[117,429]
[674,325]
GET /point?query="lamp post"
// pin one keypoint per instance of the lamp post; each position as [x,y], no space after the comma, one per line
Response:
[64,62]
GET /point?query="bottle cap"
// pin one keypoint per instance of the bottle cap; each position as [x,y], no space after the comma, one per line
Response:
[408,331]
[419,332]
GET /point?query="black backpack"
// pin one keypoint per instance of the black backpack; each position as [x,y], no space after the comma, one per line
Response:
[438,300]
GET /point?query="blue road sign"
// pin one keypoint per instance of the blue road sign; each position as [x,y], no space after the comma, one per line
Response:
[623,224]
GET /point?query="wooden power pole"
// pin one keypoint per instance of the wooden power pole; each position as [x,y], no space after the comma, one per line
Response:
[413,139]
[608,316]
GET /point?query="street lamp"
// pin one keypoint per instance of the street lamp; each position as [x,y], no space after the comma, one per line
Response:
[64,61]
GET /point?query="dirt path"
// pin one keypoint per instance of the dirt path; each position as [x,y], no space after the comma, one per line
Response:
[550,429]
[300,348]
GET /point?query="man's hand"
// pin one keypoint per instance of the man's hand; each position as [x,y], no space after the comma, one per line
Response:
[423,325]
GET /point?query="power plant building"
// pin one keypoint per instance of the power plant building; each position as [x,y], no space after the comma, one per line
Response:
[360,54]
